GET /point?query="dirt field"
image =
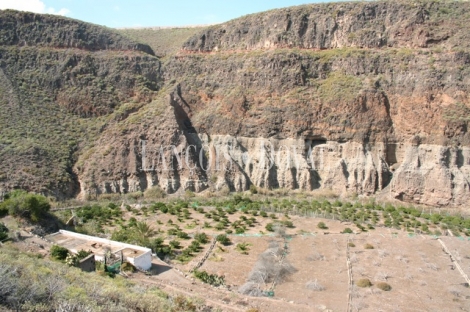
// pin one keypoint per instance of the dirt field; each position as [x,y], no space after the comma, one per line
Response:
[415,266]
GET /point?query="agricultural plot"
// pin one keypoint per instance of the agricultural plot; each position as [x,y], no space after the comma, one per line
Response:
[321,279]
[417,270]
[393,251]
[419,273]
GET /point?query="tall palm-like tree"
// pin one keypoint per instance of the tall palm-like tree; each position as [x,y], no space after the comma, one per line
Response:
[142,233]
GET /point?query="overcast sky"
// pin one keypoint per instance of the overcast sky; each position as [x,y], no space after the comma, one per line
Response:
[144,13]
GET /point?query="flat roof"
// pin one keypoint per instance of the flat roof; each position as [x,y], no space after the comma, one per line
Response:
[76,242]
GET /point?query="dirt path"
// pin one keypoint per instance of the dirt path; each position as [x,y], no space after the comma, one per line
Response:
[178,290]
[350,277]
[454,261]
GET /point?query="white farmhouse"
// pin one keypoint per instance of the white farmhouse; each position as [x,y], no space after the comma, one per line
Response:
[140,257]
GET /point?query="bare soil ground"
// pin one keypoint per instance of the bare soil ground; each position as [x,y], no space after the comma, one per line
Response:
[415,266]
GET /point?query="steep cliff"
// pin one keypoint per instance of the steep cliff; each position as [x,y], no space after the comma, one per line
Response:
[365,98]
[351,120]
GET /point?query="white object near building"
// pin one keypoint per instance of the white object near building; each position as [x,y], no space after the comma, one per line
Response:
[138,256]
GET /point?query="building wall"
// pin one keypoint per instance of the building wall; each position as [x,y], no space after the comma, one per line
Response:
[143,262]
[87,264]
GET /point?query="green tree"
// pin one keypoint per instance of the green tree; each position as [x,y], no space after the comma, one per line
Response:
[141,233]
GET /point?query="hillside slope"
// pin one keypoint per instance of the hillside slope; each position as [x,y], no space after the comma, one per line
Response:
[59,78]
[163,41]
[366,98]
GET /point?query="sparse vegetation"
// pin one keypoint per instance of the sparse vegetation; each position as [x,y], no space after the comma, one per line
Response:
[365,282]
[383,286]
[268,269]
[154,192]
[30,283]
[164,41]
[243,248]
[315,286]
[211,279]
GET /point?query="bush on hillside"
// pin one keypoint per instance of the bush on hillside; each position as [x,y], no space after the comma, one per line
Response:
[59,253]
[26,205]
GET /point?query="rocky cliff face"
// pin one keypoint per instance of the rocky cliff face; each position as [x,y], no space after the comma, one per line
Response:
[363,98]
[380,24]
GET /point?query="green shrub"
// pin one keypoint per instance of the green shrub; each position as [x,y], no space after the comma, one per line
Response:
[288,223]
[239,230]
[253,189]
[365,282]
[73,260]
[384,286]
[26,205]
[175,244]
[59,253]
[243,248]
[223,239]
[154,192]
[182,235]
[351,244]
[3,232]
[270,227]
[424,227]
[202,238]
[3,211]
[368,246]
[189,194]
[211,279]
[220,226]
[82,254]
[322,225]
[195,246]
[347,231]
